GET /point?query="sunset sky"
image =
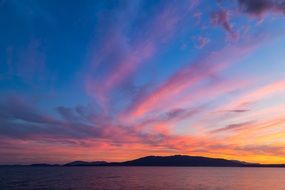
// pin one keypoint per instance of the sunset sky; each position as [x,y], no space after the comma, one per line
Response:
[115,80]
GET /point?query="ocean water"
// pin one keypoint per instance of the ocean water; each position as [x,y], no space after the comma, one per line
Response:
[141,178]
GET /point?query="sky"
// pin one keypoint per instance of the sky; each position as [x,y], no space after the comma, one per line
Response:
[116,80]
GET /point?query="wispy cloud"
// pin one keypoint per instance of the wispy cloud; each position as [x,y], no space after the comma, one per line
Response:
[123,87]
[232,127]
[192,74]
[160,30]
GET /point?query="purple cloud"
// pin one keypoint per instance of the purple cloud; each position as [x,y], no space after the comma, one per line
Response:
[222,18]
[202,42]
[261,7]
[232,127]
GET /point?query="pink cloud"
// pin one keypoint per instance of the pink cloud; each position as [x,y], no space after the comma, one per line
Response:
[189,76]
[161,30]
[255,95]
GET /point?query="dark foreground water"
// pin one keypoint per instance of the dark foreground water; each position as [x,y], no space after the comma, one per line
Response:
[137,178]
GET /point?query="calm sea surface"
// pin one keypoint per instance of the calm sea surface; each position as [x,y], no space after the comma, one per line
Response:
[137,178]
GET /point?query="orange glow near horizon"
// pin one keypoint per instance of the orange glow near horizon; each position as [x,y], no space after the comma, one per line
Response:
[120,80]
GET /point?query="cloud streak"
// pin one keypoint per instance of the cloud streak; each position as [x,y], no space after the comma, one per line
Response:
[116,81]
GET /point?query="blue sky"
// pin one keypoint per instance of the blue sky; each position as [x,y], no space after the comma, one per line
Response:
[114,80]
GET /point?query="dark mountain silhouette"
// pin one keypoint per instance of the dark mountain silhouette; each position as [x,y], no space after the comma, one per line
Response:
[83,163]
[176,160]
[43,165]
[180,160]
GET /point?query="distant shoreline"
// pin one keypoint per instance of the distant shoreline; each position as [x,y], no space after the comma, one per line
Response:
[109,166]
[159,161]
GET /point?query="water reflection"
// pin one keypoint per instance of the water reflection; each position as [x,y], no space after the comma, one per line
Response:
[141,178]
